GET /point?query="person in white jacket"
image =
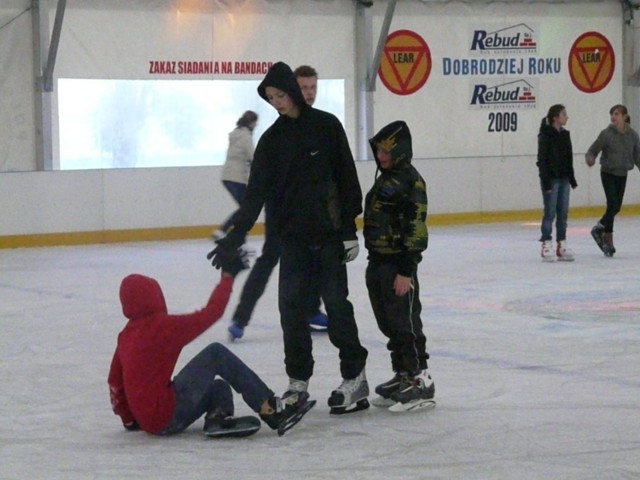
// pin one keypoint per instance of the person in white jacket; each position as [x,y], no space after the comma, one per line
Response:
[235,173]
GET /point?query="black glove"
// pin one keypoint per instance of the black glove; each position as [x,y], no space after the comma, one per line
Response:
[231,240]
[230,261]
[132,427]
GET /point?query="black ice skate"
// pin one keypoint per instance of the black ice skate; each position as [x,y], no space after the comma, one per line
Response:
[287,412]
[413,394]
[384,391]
[350,396]
[597,232]
[608,247]
[220,426]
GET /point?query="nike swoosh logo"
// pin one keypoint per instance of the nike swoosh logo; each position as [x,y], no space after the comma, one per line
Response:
[313,154]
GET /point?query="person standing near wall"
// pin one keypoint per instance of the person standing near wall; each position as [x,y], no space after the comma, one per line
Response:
[303,166]
[254,287]
[235,172]
[307,78]
[620,147]
[395,235]
[557,178]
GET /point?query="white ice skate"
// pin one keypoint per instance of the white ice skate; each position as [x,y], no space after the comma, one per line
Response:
[547,253]
[295,387]
[350,396]
[564,253]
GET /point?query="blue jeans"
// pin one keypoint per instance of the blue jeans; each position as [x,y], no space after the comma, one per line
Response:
[198,391]
[556,205]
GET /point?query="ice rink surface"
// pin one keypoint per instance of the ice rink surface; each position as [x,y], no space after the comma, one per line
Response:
[536,366]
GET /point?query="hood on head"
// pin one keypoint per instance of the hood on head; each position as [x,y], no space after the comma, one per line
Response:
[281,76]
[395,138]
[141,296]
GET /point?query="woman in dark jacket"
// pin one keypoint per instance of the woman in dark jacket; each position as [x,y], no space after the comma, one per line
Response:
[555,165]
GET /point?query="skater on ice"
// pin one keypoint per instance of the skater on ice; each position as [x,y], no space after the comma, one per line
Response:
[254,287]
[557,178]
[237,164]
[395,235]
[303,166]
[620,147]
[145,396]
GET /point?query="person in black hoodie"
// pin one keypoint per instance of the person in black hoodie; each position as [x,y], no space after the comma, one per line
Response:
[555,166]
[254,287]
[395,235]
[304,168]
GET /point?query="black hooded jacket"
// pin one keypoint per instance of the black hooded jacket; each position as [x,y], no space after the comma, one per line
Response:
[555,156]
[395,215]
[304,166]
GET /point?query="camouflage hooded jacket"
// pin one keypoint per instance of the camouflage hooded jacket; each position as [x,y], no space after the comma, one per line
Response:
[395,214]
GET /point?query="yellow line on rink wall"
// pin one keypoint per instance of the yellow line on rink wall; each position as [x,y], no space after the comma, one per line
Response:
[184,233]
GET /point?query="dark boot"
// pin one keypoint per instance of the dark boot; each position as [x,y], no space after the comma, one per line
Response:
[597,232]
[608,247]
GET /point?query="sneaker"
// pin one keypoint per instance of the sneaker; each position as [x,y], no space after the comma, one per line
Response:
[350,391]
[547,253]
[387,388]
[235,331]
[564,253]
[319,322]
[414,388]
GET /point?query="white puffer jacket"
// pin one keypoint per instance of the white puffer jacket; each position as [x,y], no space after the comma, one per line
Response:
[239,156]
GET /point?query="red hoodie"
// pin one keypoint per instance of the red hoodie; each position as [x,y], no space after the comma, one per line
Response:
[148,349]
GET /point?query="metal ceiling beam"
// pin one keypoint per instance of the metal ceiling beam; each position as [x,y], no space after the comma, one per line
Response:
[47,80]
[384,33]
[45,48]
[367,69]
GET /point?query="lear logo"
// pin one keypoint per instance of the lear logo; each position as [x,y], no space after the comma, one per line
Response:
[592,62]
[406,63]
[517,38]
[514,94]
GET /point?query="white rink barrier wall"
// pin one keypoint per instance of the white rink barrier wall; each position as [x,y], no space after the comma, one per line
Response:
[474,161]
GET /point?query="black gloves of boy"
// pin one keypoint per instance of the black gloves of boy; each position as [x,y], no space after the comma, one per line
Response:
[228,254]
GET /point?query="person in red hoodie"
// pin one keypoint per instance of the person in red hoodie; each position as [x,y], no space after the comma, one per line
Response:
[142,391]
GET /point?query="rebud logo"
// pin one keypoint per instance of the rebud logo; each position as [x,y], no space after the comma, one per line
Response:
[514,94]
[517,38]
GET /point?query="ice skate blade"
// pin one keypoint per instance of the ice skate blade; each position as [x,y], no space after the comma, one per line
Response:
[413,406]
[288,424]
[354,407]
[382,402]
[244,427]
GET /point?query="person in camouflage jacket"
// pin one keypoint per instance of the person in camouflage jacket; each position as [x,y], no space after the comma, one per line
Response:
[396,234]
